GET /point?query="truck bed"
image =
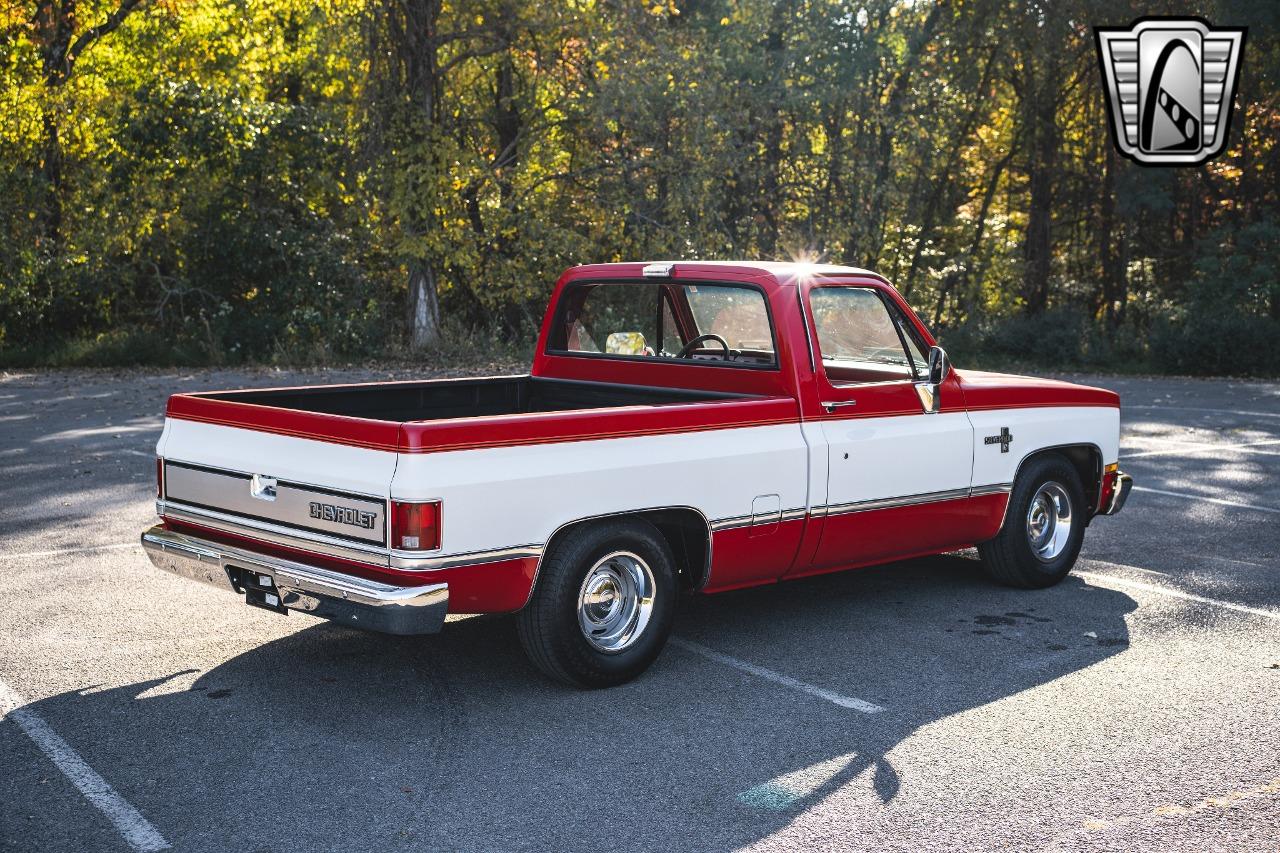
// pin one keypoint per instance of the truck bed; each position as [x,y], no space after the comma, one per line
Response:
[218,447]
[462,398]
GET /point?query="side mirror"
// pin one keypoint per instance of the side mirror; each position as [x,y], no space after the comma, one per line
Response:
[939,370]
[939,366]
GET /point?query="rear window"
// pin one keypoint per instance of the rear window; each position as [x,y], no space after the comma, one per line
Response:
[710,324]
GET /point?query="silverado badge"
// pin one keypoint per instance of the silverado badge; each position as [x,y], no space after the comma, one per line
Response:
[1002,439]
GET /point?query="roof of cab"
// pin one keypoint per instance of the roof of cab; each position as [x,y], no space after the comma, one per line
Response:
[783,272]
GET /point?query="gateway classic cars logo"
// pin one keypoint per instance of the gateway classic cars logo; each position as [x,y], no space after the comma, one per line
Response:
[1169,85]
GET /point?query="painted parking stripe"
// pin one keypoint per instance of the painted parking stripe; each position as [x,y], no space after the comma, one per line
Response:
[26,555]
[127,820]
[778,678]
[1219,501]
[1105,578]
[1194,409]
[1201,447]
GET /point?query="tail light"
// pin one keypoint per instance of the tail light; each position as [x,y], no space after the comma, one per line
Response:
[1109,474]
[159,478]
[415,526]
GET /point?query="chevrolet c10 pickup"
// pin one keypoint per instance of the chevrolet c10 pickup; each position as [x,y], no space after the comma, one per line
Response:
[687,427]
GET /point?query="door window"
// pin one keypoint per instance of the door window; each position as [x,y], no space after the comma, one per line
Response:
[860,339]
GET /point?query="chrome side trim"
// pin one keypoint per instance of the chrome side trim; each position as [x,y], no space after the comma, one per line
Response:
[404,560]
[272,533]
[737,521]
[730,523]
[890,503]
[915,500]
[352,600]
[994,489]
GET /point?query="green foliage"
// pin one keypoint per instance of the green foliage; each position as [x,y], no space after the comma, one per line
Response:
[259,181]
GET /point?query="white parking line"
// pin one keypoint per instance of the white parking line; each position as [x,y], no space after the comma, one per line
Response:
[1104,579]
[778,678]
[1201,447]
[1194,409]
[25,555]
[1219,501]
[130,823]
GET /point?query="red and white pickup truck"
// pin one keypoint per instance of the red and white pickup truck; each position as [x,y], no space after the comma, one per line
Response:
[686,427]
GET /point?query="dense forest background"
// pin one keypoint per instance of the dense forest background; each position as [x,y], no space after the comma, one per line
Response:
[221,181]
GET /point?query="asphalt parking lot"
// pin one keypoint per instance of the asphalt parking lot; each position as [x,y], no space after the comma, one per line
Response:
[1134,707]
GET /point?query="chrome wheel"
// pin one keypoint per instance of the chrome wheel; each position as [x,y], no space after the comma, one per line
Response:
[615,601]
[1049,521]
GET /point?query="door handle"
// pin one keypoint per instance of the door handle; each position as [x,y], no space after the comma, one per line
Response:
[838,404]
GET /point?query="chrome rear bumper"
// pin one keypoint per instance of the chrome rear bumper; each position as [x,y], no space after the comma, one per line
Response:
[343,598]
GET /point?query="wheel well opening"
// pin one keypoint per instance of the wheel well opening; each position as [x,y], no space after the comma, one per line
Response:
[1087,460]
[685,530]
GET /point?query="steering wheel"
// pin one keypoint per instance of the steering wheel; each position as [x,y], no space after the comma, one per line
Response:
[687,350]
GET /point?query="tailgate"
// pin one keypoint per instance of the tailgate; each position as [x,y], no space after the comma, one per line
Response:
[283,488]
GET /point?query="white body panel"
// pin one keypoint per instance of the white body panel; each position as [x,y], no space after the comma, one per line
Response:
[1036,429]
[511,496]
[897,456]
[320,463]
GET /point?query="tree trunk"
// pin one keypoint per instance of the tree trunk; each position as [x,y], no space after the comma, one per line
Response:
[424,307]
[1113,276]
[51,175]
[970,275]
[775,63]
[1038,246]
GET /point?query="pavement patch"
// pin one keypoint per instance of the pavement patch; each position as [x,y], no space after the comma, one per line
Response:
[1104,579]
[1218,501]
[128,821]
[778,678]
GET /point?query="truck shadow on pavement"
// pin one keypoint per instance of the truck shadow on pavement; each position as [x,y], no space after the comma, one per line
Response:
[334,739]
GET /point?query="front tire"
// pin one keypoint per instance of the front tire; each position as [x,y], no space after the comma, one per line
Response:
[1043,526]
[603,605]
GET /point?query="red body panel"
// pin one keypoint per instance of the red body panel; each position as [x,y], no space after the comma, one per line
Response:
[983,390]
[740,558]
[893,533]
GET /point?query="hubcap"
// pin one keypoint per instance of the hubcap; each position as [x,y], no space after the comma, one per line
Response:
[1049,521]
[615,602]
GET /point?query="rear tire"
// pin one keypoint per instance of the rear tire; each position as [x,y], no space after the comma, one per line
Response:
[1043,526]
[603,605]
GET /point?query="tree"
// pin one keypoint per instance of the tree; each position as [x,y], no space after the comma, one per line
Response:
[56,28]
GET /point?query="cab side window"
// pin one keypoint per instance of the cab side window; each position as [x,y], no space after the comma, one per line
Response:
[860,339]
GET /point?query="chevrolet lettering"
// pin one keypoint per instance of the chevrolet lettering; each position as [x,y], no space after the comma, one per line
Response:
[687,428]
[343,515]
